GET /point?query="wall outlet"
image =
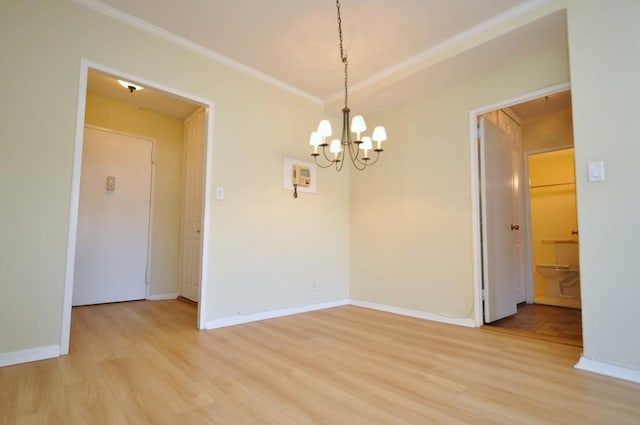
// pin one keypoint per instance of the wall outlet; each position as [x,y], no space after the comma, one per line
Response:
[314,286]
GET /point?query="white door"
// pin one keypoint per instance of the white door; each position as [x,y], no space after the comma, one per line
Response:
[498,250]
[113,218]
[194,142]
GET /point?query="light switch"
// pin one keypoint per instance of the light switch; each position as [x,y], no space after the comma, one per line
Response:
[596,171]
[111,183]
[219,193]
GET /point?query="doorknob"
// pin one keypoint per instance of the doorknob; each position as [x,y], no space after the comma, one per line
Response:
[515,227]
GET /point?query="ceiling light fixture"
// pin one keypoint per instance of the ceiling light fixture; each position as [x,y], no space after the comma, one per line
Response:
[338,147]
[130,86]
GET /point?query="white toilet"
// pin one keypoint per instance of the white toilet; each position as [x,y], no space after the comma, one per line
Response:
[560,278]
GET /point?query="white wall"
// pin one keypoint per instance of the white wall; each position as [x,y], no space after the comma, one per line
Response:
[605,72]
[265,247]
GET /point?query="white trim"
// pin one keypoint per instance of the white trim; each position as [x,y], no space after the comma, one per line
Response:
[475,183]
[422,59]
[476,225]
[29,355]
[459,321]
[160,297]
[206,223]
[75,191]
[148,27]
[606,369]
[529,282]
[272,314]
[67,301]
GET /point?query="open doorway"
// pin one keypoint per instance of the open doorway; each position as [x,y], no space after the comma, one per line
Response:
[528,219]
[160,114]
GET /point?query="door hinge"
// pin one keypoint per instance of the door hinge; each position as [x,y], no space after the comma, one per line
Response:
[484,294]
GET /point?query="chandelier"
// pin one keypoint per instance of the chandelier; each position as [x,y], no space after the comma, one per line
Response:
[337,147]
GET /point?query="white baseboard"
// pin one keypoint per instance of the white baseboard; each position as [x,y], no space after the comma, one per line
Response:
[159,297]
[601,368]
[467,322]
[272,314]
[29,355]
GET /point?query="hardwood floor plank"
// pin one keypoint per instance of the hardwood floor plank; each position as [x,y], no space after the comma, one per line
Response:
[145,363]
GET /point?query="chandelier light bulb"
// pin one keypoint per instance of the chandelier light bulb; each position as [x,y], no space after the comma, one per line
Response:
[379,135]
[358,125]
[324,128]
[366,146]
[315,140]
[335,148]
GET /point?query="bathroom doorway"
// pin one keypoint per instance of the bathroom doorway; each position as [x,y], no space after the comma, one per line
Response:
[545,186]
[553,223]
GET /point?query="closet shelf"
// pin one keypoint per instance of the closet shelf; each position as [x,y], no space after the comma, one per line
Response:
[551,185]
[558,241]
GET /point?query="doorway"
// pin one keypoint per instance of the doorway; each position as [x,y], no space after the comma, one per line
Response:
[86,68]
[503,272]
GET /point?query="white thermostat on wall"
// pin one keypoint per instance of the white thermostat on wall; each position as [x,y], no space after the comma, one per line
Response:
[301,174]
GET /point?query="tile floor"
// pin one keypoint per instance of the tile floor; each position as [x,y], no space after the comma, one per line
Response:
[549,323]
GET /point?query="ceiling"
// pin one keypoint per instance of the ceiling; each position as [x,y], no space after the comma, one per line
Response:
[543,105]
[391,44]
[151,99]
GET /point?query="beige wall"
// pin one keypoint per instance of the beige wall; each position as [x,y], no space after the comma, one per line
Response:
[411,217]
[410,220]
[167,185]
[605,72]
[548,131]
[265,248]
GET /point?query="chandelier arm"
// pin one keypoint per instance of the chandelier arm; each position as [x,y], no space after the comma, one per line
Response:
[375,160]
[315,159]
[340,164]
[360,166]
[353,151]
[324,152]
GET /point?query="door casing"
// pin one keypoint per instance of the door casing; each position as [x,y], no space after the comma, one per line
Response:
[85,65]
[475,186]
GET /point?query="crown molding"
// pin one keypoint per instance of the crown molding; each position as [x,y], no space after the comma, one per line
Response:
[100,7]
[454,44]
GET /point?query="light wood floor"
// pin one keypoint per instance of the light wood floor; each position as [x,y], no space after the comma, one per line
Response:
[145,363]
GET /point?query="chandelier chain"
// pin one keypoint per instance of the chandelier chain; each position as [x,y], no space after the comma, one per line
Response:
[343,57]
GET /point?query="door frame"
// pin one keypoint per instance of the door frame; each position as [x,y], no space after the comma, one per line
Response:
[85,65]
[476,225]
